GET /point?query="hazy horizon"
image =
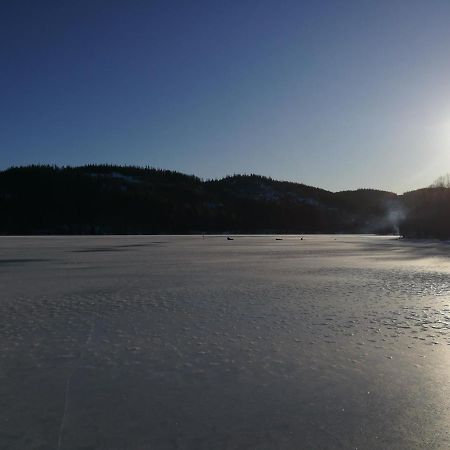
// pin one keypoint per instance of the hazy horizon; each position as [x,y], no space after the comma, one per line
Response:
[339,96]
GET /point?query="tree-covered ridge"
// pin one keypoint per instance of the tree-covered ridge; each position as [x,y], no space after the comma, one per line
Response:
[115,199]
[427,213]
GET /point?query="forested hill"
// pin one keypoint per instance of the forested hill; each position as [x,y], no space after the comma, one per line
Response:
[103,199]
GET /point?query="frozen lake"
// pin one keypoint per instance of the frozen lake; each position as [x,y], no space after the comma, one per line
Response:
[157,342]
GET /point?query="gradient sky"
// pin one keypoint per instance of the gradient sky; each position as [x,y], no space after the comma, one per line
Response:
[336,94]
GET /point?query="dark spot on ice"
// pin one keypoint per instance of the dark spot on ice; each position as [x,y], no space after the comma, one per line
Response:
[20,261]
[97,250]
[118,248]
[148,244]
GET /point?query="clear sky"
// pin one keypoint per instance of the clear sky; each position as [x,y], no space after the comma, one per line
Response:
[336,94]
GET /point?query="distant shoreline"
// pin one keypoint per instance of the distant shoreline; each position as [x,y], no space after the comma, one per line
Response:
[124,200]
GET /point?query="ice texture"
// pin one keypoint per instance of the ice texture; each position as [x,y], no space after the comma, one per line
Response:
[191,342]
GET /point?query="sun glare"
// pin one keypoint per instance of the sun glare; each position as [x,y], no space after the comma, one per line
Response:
[442,131]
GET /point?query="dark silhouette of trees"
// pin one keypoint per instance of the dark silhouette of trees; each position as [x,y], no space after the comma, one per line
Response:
[109,199]
[428,213]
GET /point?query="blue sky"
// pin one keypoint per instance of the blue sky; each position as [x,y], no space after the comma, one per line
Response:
[336,94]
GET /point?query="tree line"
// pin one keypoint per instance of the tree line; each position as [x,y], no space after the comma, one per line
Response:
[111,199]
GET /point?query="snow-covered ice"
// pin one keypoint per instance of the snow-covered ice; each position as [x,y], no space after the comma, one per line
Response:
[163,342]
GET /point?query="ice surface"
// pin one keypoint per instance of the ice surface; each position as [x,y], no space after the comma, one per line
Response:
[190,343]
